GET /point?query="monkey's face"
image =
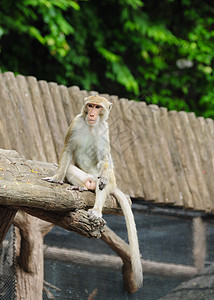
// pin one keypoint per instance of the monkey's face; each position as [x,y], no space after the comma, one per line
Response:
[93,113]
[95,109]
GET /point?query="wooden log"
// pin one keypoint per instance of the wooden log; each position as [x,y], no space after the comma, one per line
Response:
[20,112]
[118,159]
[6,219]
[181,161]
[193,167]
[37,151]
[210,141]
[204,153]
[115,262]
[199,243]
[121,142]
[127,137]
[163,158]
[12,129]
[51,116]
[142,146]
[69,106]
[169,155]
[29,265]
[154,186]
[5,141]
[53,197]
[44,128]
[77,98]
[139,139]
[73,221]
[60,113]
[21,185]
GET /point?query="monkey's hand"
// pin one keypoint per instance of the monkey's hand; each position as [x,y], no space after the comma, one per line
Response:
[102,182]
[53,179]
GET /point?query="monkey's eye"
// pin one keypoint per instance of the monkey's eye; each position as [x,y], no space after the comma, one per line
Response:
[98,106]
[90,105]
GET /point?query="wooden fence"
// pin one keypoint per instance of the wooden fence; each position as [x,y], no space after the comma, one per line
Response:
[166,157]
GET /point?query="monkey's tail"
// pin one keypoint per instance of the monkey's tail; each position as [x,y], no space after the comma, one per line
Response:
[132,236]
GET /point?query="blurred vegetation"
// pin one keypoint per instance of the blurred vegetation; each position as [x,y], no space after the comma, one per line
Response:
[160,52]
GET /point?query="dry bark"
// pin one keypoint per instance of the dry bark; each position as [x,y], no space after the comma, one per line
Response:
[40,205]
[30,232]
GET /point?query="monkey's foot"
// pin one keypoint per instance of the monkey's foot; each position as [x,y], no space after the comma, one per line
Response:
[51,179]
[76,188]
[95,215]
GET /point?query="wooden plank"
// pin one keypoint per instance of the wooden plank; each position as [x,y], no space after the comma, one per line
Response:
[8,113]
[143,157]
[51,116]
[130,144]
[5,141]
[69,105]
[210,140]
[34,147]
[76,101]
[138,141]
[155,181]
[20,113]
[204,152]
[193,165]
[169,155]
[162,158]
[60,113]
[118,159]
[42,120]
[179,160]
[119,130]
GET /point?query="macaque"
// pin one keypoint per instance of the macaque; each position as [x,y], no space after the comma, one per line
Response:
[86,163]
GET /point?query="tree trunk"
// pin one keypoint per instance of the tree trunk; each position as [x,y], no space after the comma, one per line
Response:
[6,218]
[30,232]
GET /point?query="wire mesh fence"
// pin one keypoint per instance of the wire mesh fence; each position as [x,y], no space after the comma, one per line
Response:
[162,239]
[7,267]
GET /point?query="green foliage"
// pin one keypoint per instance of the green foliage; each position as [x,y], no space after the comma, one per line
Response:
[158,52]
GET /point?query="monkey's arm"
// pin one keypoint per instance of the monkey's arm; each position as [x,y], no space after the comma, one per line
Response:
[64,160]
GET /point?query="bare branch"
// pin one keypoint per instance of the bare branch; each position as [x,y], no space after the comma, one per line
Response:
[21,185]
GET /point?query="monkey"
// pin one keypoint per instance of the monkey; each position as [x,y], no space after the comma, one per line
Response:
[86,163]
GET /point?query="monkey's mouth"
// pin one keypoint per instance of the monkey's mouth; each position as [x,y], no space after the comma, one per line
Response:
[91,121]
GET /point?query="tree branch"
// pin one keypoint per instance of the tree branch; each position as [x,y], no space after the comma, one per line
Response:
[21,185]
[22,188]
[73,221]
[122,249]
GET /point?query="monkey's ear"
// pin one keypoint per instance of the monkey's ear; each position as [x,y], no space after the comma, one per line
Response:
[110,105]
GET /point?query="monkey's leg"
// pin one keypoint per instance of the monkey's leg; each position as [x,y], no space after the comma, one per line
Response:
[80,179]
[96,211]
